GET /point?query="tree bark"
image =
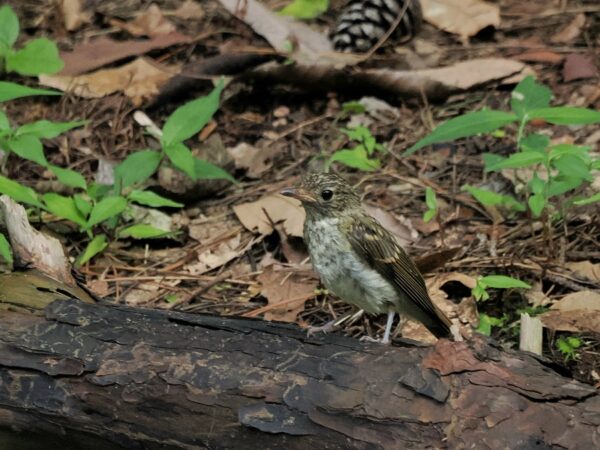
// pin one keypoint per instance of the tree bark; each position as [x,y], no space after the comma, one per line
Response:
[105,376]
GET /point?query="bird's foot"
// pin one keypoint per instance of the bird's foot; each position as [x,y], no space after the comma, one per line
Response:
[327,328]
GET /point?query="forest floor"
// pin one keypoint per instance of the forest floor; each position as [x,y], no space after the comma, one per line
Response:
[238,249]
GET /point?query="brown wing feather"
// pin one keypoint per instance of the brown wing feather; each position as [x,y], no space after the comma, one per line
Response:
[379,249]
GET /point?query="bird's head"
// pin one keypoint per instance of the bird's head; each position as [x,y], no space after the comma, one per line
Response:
[325,195]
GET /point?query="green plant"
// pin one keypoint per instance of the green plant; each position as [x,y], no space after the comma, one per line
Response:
[5,251]
[36,57]
[486,323]
[495,281]
[361,155]
[305,9]
[552,170]
[568,347]
[95,208]
[431,202]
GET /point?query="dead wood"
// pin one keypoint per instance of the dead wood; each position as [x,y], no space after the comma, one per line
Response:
[106,375]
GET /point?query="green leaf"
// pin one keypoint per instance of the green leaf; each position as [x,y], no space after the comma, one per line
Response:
[142,231]
[19,192]
[137,168]
[569,149]
[566,115]
[428,215]
[536,184]
[208,171]
[572,166]
[529,95]
[503,282]
[182,158]
[4,123]
[489,198]
[536,203]
[353,107]
[47,129]
[305,9]
[479,292]
[469,124]
[83,205]
[10,91]
[96,245]
[430,198]
[105,209]
[69,177]
[586,201]
[97,191]
[489,159]
[535,143]
[63,207]
[37,57]
[518,160]
[561,184]
[149,198]
[28,147]
[190,118]
[5,250]
[9,28]
[356,158]
[485,325]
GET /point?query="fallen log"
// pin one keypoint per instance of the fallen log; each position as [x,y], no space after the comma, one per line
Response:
[107,376]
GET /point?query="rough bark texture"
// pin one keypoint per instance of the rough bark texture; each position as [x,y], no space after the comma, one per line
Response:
[151,379]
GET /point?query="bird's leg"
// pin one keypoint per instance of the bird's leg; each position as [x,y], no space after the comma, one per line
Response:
[388,326]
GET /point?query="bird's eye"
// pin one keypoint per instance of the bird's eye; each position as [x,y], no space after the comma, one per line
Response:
[326,194]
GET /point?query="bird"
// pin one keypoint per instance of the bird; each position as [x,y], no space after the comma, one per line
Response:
[359,260]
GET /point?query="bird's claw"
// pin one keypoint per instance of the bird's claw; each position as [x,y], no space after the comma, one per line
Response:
[327,328]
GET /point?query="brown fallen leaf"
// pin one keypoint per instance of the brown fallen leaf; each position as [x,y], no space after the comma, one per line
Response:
[462,17]
[571,31]
[150,22]
[138,80]
[220,254]
[74,14]
[101,51]
[586,270]
[281,288]
[540,56]
[579,67]
[536,296]
[576,312]
[256,160]
[187,10]
[279,209]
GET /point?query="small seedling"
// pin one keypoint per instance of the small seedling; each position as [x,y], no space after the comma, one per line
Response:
[361,155]
[554,170]
[495,281]
[568,347]
[431,202]
[305,9]
[38,56]
[5,250]
[486,323]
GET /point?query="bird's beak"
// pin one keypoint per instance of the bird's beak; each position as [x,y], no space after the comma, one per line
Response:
[300,194]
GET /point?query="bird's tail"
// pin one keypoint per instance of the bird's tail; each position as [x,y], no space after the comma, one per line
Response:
[439,325]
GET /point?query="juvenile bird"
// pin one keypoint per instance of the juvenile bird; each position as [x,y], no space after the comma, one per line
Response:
[359,260]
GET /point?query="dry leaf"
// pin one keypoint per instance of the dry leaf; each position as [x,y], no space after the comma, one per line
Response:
[255,160]
[279,209]
[280,31]
[571,31]
[138,80]
[578,67]
[576,312]
[74,14]
[540,56]
[217,256]
[151,23]
[141,294]
[586,270]
[187,10]
[32,248]
[536,296]
[102,51]
[281,287]
[463,17]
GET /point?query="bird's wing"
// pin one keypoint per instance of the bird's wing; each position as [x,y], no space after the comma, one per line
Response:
[379,249]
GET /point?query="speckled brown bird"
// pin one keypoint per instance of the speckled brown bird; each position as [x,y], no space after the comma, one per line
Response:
[358,259]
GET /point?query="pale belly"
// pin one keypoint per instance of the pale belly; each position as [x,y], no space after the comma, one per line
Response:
[349,278]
